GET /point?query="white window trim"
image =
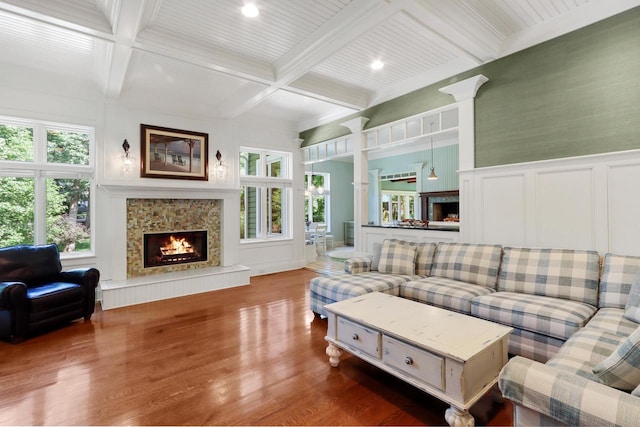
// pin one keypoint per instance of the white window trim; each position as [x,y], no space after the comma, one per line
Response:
[41,170]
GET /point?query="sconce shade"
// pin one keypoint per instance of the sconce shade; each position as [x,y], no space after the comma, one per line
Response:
[126,158]
[221,169]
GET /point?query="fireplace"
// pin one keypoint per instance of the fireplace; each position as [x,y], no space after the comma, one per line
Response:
[173,248]
[441,205]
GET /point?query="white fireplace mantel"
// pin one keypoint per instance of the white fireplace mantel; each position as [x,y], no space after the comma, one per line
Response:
[119,290]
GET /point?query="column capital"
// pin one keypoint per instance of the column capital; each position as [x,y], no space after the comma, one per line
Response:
[355,125]
[298,141]
[465,89]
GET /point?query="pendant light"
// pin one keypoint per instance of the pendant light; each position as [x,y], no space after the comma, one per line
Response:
[432,176]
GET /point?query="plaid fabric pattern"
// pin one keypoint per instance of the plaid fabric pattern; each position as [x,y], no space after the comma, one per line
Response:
[566,397]
[525,417]
[532,345]
[622,368]
[424,255]
[584,350]
[632,307]
[547,316]
[326,290]
[397,258]
[443,292]
[617,274]
[357,265]
[477,264]
[612,320]
[559,273]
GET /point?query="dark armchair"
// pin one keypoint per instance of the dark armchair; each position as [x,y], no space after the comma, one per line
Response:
[36,294]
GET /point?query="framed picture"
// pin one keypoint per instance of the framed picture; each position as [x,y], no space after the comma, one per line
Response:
[173,153]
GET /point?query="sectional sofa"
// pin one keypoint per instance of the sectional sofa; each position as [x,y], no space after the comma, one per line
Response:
[575,344]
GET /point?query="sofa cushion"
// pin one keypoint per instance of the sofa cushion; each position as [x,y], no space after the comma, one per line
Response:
[547,316]
[584,350]
[533,345]
[632,307]
[442,292]
[621,369]
[32,265]
[424,255]
[397,258]
[612,320]
[375,256]
[558,273]
[617,274]
[477,264]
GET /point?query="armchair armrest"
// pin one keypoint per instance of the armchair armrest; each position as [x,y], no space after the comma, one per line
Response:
[88,278]
[12,294]
[569,398]
[357,265]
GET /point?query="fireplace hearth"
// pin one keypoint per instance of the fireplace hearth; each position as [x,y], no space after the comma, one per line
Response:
[172,248]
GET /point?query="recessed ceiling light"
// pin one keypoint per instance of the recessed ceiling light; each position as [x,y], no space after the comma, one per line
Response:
[250,10]
[377,64]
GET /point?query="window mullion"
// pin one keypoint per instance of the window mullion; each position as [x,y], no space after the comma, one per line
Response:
[40,208]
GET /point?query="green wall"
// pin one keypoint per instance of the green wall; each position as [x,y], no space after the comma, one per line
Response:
[574,95]
[341,176]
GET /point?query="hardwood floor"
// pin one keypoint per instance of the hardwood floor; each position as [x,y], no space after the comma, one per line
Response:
[252,355]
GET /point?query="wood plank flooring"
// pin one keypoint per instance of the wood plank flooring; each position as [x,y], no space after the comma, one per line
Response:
[253,355]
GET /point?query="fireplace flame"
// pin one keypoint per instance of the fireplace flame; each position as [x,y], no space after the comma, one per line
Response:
[177,246]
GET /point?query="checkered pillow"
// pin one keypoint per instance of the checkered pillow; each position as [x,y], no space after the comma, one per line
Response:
[397,258]
[617,275]
[632,308]
[621,369]
[424,255]
[558,273]
[469,263]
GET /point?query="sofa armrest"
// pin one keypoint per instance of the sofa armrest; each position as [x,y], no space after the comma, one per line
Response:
[569,398]
[12,294]
[357,265]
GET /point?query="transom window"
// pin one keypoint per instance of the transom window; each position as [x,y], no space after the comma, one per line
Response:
[46,182]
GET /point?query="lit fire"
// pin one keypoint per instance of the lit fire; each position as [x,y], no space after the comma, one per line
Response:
[177,246]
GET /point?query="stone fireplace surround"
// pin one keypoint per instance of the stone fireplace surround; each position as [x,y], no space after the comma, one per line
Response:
[124,288]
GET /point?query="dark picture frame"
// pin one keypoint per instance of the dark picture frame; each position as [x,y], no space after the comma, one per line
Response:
[173,153]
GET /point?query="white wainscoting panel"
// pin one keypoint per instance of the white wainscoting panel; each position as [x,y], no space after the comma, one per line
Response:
[588,202]
[624,208]
[503,213]
[565,209]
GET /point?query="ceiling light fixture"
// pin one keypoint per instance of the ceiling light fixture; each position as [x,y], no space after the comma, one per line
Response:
[377,65]
[250,10]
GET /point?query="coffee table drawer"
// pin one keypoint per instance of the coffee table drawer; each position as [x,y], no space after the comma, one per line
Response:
[420,364]
[359,337]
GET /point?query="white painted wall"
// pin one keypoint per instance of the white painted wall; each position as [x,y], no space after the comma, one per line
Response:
[588,202]
[56,99]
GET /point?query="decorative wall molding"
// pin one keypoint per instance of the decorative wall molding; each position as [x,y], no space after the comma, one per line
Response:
[586,202]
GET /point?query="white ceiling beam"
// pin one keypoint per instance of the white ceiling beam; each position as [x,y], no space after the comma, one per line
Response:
[436,23]
[350,23]
[126,27]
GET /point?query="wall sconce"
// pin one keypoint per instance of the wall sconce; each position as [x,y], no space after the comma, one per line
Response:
[126,158]
[221,169]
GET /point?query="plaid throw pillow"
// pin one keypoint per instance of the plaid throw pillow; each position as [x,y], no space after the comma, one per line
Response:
[621,369]
[632,308]
[396,258]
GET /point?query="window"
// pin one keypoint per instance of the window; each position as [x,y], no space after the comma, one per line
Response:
[265,194]
[316,207]
[46,178]
[397,205]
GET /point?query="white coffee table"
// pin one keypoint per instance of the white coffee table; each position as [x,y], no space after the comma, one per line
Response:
[451,356]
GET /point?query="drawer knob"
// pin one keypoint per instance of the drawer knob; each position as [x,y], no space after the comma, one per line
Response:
[355,337]
[408,360]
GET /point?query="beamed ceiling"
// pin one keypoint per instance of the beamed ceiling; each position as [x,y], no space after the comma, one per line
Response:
[304,61]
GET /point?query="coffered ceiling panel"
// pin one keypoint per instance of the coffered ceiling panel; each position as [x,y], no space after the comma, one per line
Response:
[300,61]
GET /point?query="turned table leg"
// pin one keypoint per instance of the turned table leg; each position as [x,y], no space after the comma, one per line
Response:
[334,354]
[459,417]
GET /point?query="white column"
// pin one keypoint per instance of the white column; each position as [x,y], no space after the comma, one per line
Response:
[417,202]
[360,180]
[464,92]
